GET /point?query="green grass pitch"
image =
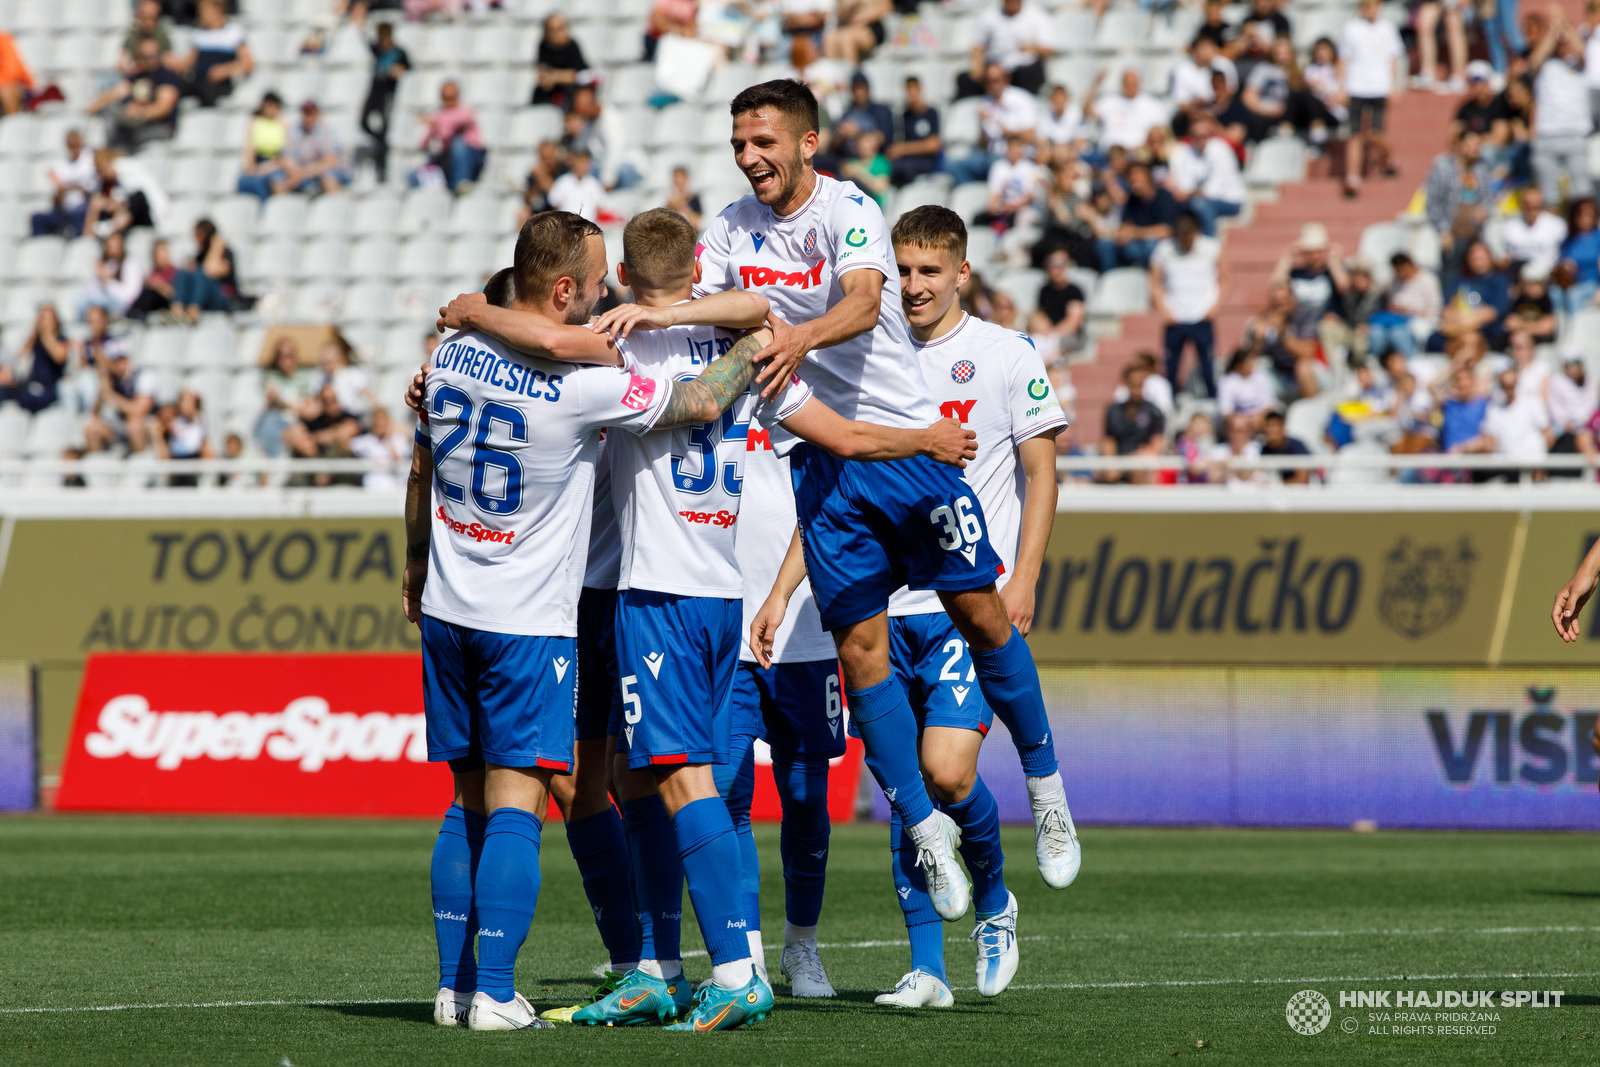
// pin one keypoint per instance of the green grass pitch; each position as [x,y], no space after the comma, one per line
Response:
[1169,939]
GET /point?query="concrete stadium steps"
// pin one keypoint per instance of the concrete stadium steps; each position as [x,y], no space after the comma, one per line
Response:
[1417,128]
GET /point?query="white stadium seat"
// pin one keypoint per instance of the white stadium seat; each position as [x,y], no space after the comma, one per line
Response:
[325,257]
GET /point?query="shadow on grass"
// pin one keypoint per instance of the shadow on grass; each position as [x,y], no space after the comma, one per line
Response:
[410,1013]
[1580,1000]
[1571,894]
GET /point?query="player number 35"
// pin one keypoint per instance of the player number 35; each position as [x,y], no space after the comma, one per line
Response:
[958,524]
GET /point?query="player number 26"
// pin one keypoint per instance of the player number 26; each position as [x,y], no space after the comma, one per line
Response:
[496,481]
[632,705]
[959,525]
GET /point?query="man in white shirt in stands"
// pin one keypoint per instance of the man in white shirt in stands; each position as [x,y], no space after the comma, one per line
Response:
[1515,426]
[1062,121]
[73,179]
[578,190]
[1534,236]
[1203,173]
[1187,281]
[1191,78]
[1125,118]
[1374,71]
[1015,181]
[1561,112]
[1004,111]
[1018,36]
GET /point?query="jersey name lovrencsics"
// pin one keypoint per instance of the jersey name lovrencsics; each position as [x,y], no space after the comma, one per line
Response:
[514,442]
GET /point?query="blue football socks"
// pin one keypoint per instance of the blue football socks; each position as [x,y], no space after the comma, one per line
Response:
[1010,683]
[455,861]
[657,877]
[736,783]
[923,924]
[600,847]
[803,839]
[505,891]
[710,853]
[888,729]
[979,819]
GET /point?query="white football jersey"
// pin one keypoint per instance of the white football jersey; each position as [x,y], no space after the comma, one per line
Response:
[994,381]
[677,491]
[766,524]
[605,543]
[796,263]
[514,441]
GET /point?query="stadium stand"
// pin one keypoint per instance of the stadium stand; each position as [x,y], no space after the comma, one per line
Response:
[373,258]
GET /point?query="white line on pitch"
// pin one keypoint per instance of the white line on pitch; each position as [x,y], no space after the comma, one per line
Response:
[1172,983]
[1308,981]
[213,1004]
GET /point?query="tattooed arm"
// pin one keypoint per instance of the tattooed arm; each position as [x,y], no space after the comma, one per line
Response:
[419,527]
[719,385]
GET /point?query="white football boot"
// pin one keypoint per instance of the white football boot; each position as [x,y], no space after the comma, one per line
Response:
[450,1008]
[997,949]
[1055,839]
[919,989]
[515,1014]
[948,888]
[803,967]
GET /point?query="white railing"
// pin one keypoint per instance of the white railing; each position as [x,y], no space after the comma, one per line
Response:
[1329,463]
[43,473]
[95,470]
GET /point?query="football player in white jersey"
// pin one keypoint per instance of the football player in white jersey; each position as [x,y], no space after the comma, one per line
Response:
[995,382]
[493,568]
[678,624]
[819,251]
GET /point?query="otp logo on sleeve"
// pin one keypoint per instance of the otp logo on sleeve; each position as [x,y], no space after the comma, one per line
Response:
[640,392]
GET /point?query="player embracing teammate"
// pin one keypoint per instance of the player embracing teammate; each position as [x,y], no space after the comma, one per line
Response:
[819,251]
[875,514]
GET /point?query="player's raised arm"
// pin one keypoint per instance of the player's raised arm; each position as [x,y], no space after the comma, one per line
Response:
[704,398]
[419,527]
[529,332]
[764,627]
[946,441]
[855,314]
[735,309]
[1571,598]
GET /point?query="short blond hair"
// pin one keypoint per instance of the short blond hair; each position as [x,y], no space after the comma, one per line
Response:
[658,249]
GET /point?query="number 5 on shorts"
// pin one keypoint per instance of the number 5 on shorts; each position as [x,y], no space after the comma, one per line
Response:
[632,705]
[959,524]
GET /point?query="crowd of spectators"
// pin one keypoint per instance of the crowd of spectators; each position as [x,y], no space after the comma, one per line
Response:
[1127,174]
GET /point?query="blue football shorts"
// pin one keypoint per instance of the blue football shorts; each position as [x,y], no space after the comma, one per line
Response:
[676,657]
[599,698]
[506,699]
[797,708]
[869,528]
[931,661]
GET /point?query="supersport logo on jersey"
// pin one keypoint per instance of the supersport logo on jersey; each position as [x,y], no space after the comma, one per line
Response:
[723,519]
[752,276]
[474,530]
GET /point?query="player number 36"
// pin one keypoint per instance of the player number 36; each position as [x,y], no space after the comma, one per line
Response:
[959,525]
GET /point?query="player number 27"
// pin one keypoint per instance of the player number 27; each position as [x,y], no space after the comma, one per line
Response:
[959,525]
[449,403]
